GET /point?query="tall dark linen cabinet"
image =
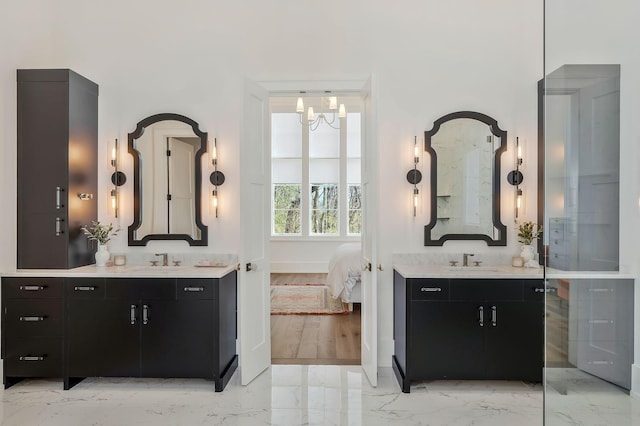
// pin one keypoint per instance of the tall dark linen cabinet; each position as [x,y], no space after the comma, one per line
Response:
[57,168]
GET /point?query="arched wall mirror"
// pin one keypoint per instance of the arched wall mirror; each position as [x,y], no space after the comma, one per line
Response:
[465,149]
[167,174]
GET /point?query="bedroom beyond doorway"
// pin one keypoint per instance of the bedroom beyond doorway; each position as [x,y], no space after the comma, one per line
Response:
[314,339]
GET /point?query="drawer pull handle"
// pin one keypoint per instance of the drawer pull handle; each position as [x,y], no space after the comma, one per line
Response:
[84,288]
[188,289]
[133,314]
[32,319]
[481,316]
[600,362]
[601,290]
[59,204]
[431,289]
[32,287]
[59,230]
[494,316]
[145,314]
[31,358]
[544,290]
[600,321]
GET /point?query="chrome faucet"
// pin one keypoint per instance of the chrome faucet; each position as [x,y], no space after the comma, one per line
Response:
[165,258]
[465,258]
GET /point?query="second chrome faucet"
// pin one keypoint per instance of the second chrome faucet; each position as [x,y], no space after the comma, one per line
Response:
[465,258]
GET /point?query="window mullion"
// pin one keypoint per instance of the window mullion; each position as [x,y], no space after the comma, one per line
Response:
[343,204]
[305,211]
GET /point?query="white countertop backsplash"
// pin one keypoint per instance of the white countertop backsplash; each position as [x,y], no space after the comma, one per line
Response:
[444,271]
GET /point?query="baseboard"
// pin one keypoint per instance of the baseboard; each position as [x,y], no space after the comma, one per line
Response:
[299,267]
[385,352]
[635,381]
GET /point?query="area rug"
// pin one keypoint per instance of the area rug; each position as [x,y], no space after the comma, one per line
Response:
[304,299]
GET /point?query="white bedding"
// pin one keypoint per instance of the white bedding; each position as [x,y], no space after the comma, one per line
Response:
[344,272]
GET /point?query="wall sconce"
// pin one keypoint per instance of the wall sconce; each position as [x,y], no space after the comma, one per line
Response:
[217,177]
[515,178]
[118,178]
[414,176]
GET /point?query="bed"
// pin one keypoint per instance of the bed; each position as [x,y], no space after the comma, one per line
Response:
[343,278]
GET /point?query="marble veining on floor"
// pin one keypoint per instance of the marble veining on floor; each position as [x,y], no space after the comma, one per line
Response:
[283,395]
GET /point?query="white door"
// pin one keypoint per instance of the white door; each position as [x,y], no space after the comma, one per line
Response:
[182,186]
[369,332]
[254,298]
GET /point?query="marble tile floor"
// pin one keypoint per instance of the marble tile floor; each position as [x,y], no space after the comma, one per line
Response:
[283,395]
[320,395]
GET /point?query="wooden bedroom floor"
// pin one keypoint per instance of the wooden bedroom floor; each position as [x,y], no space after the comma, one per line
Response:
[314,339]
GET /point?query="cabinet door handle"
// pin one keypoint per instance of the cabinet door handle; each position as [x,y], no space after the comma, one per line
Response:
[84,288]
[481,316]
[133,314]
[494,316]
[145,314]
[32,287]
[31,358]
[59,204]
[32,319]
[188,289]
[431,289]
[59,230]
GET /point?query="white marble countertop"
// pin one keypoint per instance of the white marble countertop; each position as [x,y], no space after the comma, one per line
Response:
[128,271]
[444,271]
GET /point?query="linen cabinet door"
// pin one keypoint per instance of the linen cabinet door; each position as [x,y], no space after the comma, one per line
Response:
[177,338]
[446,340]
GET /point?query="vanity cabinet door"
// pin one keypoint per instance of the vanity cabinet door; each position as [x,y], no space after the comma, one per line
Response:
[514,332]
[103,338]
[177,338]
[446,341]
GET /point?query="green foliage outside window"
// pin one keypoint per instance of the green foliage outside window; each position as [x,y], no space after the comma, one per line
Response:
[286,209]
[324,208]
[355,209]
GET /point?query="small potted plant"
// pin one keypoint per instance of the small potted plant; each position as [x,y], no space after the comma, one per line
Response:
[527,232]
[102,234]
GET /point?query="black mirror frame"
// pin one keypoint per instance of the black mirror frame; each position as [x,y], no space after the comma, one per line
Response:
[137,183]
[502,134]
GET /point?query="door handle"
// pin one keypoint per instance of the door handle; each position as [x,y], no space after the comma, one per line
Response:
[250,267]
[494,316]
[59,230]
[367,267]
[59,204]
[380,267]
[145,314]
[481,316]
[133,314]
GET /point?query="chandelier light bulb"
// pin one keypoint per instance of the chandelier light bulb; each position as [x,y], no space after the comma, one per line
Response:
[300,106]
[310,115]
[342,113]
[333,103]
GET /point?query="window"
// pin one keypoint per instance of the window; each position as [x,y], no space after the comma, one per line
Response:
[315,175]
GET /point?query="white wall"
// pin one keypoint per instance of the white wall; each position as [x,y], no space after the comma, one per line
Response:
[595,32]
[428,57]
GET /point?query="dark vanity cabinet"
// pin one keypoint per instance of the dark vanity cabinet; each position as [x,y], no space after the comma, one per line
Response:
[467,329]
[57,165]
[151,327]
[32,328]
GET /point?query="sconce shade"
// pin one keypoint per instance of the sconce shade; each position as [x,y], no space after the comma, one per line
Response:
[118,178]
[217,178]
[414,176]
[515,177]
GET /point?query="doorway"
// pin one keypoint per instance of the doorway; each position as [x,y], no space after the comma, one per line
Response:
[316,218]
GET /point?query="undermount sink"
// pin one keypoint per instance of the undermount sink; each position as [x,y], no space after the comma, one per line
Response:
[149,268]
[472,268]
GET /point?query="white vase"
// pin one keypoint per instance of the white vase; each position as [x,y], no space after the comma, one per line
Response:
[527,254]
[102,255]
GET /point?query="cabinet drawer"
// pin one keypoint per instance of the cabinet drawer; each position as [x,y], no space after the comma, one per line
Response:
[34,357]
[141,288]
[429,289]
[33,317]
[32,288]
[190,289]
[86,288]
[534,290]
[486,289]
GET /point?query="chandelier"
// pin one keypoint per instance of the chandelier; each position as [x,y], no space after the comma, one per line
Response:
[315,121]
